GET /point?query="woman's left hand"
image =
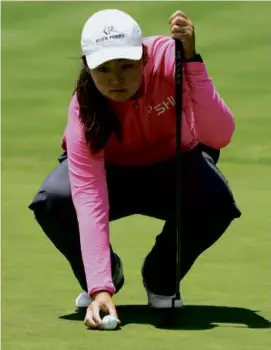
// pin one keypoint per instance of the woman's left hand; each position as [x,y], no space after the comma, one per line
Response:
[182,28]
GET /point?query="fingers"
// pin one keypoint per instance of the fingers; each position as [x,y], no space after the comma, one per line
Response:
[93,315]
[96,312]
[92,319]
[177,14]
[181,30]
[180,25]
[179,21]
[182,33]
[113,312]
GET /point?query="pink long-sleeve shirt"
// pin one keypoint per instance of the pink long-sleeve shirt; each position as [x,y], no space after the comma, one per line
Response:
[149,136]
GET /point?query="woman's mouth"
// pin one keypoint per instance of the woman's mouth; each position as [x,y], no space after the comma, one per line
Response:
[118,90]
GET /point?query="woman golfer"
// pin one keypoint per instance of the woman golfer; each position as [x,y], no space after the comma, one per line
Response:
[119,160]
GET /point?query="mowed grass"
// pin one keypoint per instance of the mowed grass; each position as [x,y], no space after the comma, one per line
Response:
[228,288]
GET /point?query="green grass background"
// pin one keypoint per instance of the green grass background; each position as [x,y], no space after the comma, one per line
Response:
[40,47]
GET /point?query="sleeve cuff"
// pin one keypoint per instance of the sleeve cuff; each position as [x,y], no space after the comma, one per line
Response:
[110,289]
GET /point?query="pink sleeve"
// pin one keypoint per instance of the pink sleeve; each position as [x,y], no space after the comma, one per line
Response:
[213,120]
[90,198]
[209,118]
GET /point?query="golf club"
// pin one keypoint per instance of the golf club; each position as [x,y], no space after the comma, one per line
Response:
[178,108]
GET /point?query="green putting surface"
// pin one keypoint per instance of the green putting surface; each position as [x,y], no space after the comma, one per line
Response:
[228,289]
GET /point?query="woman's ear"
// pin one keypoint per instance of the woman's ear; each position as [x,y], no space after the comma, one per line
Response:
[145,55]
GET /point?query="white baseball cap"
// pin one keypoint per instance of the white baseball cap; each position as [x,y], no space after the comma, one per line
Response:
[111,34]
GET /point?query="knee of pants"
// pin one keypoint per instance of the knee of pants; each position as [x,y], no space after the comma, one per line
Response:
[56,215]
[51,203]
[55,190]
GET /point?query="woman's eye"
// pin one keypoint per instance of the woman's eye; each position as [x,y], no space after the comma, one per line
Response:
[102,69]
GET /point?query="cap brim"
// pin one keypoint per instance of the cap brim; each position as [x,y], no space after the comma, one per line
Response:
[114,53]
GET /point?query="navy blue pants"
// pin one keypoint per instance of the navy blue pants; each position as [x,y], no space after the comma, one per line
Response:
[208,208]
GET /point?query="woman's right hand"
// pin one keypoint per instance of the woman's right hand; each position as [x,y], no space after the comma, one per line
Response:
[102,302]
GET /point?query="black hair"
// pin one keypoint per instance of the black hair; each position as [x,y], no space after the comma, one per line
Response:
[97,119]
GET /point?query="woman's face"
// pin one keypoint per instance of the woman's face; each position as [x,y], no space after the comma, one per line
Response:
[118,79]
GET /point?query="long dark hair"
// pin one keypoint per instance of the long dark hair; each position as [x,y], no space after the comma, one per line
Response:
[98,120]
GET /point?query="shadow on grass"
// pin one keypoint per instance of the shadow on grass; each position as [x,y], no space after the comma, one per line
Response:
[191,317]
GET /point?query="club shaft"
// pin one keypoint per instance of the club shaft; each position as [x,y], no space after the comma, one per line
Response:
[178,108]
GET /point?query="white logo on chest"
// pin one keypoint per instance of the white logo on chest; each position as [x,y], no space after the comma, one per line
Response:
[162,107]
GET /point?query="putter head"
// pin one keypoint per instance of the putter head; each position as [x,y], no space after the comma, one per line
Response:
[169,318]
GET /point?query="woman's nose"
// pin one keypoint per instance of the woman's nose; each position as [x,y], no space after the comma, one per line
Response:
[116,78]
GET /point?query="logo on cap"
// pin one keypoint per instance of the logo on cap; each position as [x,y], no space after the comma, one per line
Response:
[109,30]
[111,33]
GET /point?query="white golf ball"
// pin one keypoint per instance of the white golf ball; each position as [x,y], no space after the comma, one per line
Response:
[109,322]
